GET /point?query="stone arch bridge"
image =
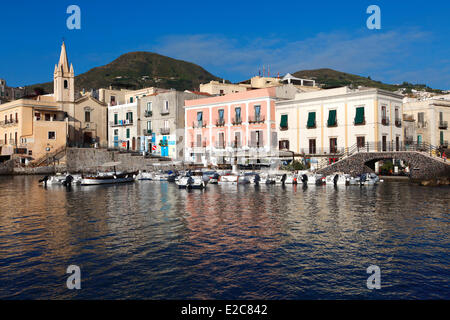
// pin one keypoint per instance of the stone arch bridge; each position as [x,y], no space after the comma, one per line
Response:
[422,166]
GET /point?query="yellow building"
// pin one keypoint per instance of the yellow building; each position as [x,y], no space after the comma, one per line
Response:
[31,129]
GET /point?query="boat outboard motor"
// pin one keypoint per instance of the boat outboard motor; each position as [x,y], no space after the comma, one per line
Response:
[335,179]
[44,180]
[363,178]
[68,181]
[304,178]
[257,179]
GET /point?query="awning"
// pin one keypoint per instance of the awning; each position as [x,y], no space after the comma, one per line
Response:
[311,120]
[284,121]
[359,118]
[332,118]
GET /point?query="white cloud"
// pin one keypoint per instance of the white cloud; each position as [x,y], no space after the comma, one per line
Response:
[385,56]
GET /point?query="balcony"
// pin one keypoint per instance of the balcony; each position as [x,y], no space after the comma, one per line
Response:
[236,121]
[422,124]
[196,145]
[165,112]
[256,119]
[332,124]
[164,131]
[220,145]
[148,113]
[8,123]
[121,123]
[443,125]
[220,123]
[235,144]
[199,124]
[409,140]
[398,123]
[285,128]
[444,144]
[146,132]
[385,121]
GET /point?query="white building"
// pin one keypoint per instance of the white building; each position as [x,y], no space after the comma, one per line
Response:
[123,126]
[326,123]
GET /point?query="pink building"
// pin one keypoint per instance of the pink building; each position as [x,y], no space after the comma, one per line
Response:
[238,126]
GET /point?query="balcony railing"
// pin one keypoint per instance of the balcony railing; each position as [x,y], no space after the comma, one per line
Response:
[333,125]
[8,122]
[90,125]
[385,121]
[256,144]
[284,128]
[235,144]
[443,125]
[199,124]
[220,145]
[311,126]
[165,111]
[165,131]
[236,121]
[121,123]
[445,144]
[398,123]
[422,124]
[148,113]
[196,145]
[255,119]
[363,123]
[147,132]
[220,123]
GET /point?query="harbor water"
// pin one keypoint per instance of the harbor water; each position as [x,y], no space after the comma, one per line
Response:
[150,240]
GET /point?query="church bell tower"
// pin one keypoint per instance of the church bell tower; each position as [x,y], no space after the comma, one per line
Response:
[64,79]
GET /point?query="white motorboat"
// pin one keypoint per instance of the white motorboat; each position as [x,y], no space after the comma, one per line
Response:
[291,178]
[253,177]
[191,182]
[267,178]
[143,175]
[61,179]
[340,179]
[234,179]
[312,178]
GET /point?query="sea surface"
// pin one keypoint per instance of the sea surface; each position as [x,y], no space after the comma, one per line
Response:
[150,240]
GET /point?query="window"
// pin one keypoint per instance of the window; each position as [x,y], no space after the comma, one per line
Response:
[221,143]
[199,140]
[384,118]
[200,119]
[221,119]
[166,107]
[311,120]
[237,139]
[149,107]
[333,145]
[166,124]
[238,115]
[47,117]
[116,118]
[66,84]
[87,116]
[149,126]
[116,132]
[361,142]
[257,113]
[257,139]
[113,100]
[129,117]
[17,117]
[128,133]
[51,135]
[283,145]
[221,92]
[284,122]
[15,138]
[131,99]
[421,118]
[332,121]
[359,117]
[312,146]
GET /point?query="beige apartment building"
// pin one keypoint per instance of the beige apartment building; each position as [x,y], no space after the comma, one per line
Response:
[431,117]
[258,82]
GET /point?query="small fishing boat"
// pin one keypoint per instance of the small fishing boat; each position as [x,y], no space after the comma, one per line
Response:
[234,179]
[61,179]
[108,177]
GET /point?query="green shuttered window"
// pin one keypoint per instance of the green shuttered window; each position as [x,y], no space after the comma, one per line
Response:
[311,120]
[359,118]
[284,121]
[332,118]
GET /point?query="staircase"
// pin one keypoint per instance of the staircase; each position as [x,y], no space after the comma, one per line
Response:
[56,155]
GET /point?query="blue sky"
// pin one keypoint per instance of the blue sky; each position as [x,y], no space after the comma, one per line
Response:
[233,39]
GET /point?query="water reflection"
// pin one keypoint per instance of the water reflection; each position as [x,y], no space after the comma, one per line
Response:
[151,240]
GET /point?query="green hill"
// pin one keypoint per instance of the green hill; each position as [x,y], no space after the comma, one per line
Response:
[138,70]
[329,78]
